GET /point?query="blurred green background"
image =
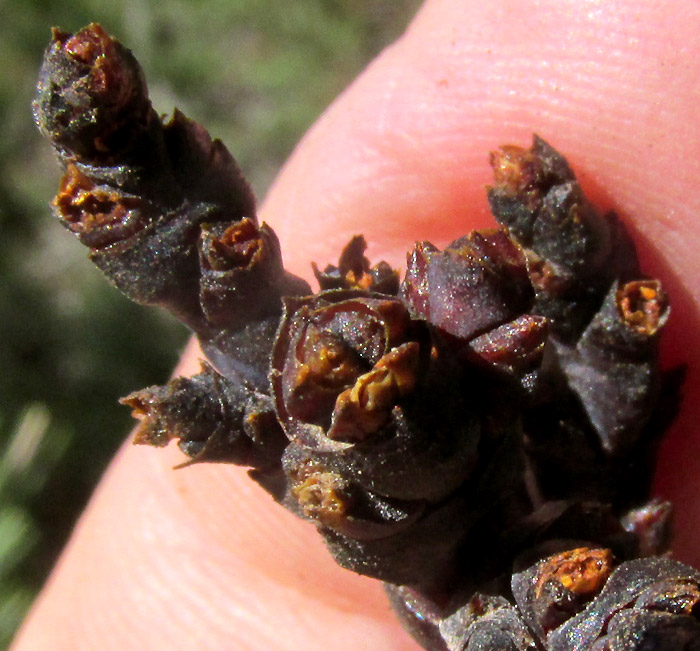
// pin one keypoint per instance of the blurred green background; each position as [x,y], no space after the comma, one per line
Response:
[256,74]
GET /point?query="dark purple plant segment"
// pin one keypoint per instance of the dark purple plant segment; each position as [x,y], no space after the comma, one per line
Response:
[337,502]
[641,630]
[345,368]
[537,198]
[558,587]
[238,260]
[242,276]
[327,343]
[422,552]
[92,104]
[92,97]
[137,190]
[99,215]
[613,369]
[212,418]
[477,283]
[573,253]
[514,350]
[479,436]
[486,623]
[649,603]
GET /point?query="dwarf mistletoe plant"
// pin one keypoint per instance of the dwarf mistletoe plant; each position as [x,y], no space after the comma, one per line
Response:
[478,435]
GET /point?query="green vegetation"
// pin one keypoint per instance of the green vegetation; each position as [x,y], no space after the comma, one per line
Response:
[256,74]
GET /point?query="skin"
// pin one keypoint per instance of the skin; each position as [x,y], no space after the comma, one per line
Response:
[201,558]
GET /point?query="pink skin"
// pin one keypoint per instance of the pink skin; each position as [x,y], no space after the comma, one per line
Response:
[201,558]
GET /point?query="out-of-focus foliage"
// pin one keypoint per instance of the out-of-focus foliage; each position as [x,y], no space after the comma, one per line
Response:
[256,74]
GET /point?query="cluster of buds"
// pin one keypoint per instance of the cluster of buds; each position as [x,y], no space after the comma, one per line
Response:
[478,435]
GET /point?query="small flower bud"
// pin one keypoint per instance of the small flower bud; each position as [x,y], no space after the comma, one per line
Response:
[649,603]
[92,98]
[354,271]
[558,587]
